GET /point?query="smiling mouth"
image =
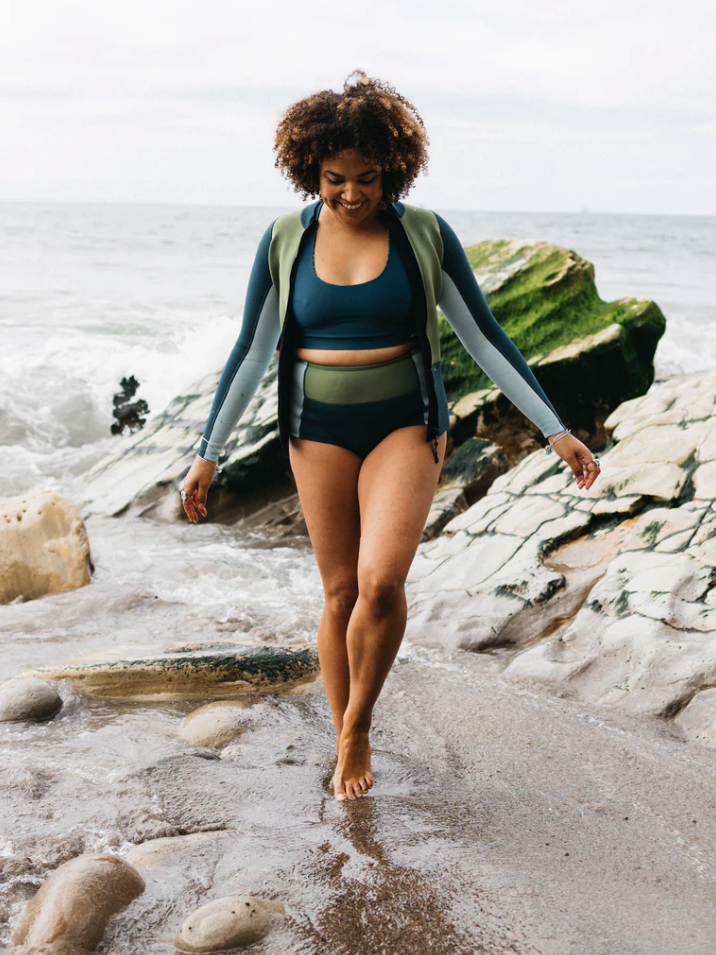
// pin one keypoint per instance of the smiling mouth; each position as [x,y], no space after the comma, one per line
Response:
[351,208]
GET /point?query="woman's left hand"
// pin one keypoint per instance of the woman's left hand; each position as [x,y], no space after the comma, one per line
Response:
[580,459]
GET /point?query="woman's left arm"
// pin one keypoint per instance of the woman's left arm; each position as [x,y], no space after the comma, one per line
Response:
[482,336]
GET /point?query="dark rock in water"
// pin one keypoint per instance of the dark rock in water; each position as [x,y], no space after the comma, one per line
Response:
[196,671]
[127,412]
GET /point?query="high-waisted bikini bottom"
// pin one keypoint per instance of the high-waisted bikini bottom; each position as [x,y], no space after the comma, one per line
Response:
[356,406]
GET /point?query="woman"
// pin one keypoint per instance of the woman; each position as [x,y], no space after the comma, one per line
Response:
[350,286]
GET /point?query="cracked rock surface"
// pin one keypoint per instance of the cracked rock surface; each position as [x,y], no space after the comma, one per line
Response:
[606,595]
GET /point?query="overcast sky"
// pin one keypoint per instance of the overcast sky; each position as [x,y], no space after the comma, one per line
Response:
[530,105]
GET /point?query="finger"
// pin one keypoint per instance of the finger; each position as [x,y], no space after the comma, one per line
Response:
[200,496]
[189,504]
[190,511]
[592,475]
[576,467]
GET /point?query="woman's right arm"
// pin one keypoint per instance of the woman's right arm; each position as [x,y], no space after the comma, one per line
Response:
[242,374]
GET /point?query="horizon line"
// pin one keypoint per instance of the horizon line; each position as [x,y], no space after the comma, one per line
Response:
[232,205]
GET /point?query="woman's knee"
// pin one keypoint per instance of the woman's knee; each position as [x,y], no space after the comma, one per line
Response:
[341,595]
[382,590]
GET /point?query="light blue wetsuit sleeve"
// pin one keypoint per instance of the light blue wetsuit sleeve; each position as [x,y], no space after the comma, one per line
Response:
[464,306]
[249,359]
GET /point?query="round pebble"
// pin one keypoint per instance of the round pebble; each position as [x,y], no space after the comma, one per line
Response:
[231,922]
[28,698]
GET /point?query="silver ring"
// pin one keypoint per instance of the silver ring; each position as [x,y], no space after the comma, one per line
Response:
[182,494]
[595,460]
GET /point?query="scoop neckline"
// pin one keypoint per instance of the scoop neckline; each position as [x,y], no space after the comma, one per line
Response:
[355,284]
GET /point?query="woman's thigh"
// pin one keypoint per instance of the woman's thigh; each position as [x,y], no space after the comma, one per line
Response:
[396,486]
[327,481]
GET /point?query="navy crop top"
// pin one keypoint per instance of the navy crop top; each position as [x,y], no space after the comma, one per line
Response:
[371,314]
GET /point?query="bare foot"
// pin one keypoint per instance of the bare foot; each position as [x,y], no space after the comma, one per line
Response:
[354,776]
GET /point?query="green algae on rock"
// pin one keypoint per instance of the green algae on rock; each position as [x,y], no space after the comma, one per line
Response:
[196,671]
[588,355]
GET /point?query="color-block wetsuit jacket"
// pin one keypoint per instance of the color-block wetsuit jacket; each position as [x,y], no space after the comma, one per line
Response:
[440,276]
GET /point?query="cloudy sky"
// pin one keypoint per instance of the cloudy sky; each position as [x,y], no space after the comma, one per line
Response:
[530,106]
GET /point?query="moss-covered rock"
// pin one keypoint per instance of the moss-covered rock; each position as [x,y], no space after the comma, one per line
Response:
[588,355]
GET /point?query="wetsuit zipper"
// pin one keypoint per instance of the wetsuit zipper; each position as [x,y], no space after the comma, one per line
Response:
[417,286]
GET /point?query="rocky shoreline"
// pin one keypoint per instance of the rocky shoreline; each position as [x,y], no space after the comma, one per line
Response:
[573,634]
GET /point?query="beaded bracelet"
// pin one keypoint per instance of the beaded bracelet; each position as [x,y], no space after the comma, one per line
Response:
[216,466]
[550,445]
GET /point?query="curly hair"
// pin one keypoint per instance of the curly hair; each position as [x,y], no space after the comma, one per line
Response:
[369,116]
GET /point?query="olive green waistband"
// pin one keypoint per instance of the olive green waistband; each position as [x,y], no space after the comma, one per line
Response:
[354,384]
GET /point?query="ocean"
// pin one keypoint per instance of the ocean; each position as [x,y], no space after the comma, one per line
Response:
[92,293]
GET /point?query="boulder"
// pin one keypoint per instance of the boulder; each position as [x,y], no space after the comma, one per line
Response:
[28,699]
[190,672]
[43,547]
[609,594]
[70,912]
[214,724]
[588,355]
[232,922]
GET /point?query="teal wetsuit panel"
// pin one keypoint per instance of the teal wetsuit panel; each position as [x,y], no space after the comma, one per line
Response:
[371,314]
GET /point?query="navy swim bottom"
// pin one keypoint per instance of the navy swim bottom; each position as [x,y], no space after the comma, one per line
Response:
[356,406]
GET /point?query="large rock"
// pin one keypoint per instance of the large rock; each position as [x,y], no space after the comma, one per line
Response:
[589,355]
[197,671]
[608,594]
[69,913]
[43,546]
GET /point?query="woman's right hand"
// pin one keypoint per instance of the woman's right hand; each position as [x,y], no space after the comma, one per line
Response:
[197,484]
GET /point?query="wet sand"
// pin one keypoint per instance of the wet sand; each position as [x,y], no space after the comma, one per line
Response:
[502,820]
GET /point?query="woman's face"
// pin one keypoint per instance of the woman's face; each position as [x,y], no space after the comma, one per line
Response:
[351,186]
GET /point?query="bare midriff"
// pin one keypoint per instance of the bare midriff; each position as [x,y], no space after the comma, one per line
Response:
[352,356]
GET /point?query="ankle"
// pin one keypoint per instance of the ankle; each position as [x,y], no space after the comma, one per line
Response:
[358,724]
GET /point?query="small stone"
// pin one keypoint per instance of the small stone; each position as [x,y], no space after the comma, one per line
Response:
[214,724]
[28,699]
[231,922]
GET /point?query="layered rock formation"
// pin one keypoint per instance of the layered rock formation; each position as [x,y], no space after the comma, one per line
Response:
[196,671]
[609,594]
[588,354]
